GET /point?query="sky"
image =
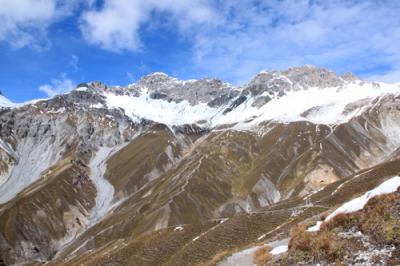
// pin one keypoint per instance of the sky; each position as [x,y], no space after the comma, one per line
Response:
[47,47]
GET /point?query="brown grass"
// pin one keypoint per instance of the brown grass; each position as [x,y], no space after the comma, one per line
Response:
[262,255]
[379,220]
[324,244]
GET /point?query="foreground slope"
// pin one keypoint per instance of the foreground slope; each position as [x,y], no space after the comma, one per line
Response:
[363,231]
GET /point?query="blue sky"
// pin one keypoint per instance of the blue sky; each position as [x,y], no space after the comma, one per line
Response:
[49,46]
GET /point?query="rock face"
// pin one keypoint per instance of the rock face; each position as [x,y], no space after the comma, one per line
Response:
[86,173]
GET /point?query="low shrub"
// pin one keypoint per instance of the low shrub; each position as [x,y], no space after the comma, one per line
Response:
[262,255]
[379,220]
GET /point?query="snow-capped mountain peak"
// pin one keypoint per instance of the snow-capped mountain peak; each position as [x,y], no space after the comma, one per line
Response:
[5,103]
[305,93]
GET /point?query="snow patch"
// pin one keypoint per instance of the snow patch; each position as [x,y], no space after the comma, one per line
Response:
[6,103]
[83,88]
[357,204]
[261,237]
[329,105]
[325,106]
[97,105]
[169,113]
[279,250]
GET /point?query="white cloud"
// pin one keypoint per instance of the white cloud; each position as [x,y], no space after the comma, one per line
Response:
[58,86]
[232,39]
[20,18]
[360,36]
[116,25]
[235,39]
[25,22]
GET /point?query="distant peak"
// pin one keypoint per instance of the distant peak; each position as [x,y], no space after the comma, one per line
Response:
[92,84]
[155,78]
[323,73]
[307,69]
[263,72]
[158,74]
[348,76]
[299,78]
[297,69]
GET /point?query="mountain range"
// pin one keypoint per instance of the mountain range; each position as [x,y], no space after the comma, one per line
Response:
[187,172]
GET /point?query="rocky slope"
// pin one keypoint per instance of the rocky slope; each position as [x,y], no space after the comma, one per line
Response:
[100,173]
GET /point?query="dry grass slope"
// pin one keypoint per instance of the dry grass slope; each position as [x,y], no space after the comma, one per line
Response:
[344,239]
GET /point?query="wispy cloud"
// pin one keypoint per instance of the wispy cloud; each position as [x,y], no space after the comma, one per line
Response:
[344,35]
[232,39]
[235,39]
[58,86]
[74,62]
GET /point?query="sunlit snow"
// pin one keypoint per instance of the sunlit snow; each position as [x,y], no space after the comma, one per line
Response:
[170,113]
[4,102]
[357,204]
[326,106]
[279,250]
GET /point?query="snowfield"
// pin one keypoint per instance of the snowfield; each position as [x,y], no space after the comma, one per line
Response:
[323,106]
[169,113]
